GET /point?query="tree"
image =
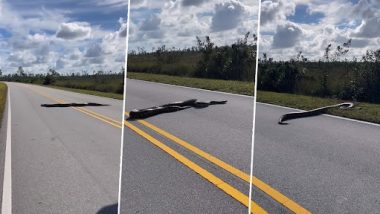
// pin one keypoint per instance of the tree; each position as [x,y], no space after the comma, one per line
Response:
[20,71]
[53,72]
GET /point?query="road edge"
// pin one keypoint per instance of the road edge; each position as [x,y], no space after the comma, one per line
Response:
[327,115]
[6,202]
[199,89]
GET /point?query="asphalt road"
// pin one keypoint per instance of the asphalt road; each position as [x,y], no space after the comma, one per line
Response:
[62,160]
[326,164]
[154,181]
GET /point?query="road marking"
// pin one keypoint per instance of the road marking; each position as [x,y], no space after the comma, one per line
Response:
[85,111]
[6,205]
[327,115]
[198,169]
[276,195]
[197,89]
[291,205]
[236,194]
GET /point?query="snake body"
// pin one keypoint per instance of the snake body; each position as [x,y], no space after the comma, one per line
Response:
[170,107]
[313,112]
[72,105]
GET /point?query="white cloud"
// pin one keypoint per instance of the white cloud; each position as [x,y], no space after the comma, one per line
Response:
[286,35]
[151,23]
[51,38]
[22,58]
[276,11]
[192,2]
[177,23]
[228,15]
[369,28]
[282,38]
[95,50]
[74,30]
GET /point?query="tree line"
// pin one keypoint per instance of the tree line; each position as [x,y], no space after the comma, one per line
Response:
[205,60]
[109,81]
[333,75]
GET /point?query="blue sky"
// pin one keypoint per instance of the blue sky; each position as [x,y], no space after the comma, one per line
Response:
[291,26]
[67,35]
[176,23]
[303,14]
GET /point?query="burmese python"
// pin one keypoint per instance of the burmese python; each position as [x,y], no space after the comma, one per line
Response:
[72,105]
[313,112]
[170,107]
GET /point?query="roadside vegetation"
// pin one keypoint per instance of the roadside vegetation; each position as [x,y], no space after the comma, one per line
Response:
[364,111]
[231,86]
[3,99]
[100,83]
[205,60]
[305,84]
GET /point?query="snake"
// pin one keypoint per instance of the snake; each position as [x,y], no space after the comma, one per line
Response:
[313,112]
[72,105]
[170,107]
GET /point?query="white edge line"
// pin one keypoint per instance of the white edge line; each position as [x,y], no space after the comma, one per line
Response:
[254,108]
[199,89]
[122,114]
[6,203]
[328,115]
[255,88]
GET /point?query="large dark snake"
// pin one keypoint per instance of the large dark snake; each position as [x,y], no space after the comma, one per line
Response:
[170,107]
[72,105]
[313,112]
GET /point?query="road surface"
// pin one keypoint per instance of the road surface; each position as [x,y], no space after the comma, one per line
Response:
[324,163]
[154,180]
[63,159]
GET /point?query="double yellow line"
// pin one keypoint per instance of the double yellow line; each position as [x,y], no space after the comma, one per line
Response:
[276,195]
[228,189]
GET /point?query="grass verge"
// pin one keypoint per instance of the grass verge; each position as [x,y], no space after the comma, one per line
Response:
[3,98]
[361,111]
[96,93]
[237,87]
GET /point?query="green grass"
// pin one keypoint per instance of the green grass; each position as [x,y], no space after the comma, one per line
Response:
[3,98]
[179,64]
[91,92]
[361,111]
[103,83]
[237,87]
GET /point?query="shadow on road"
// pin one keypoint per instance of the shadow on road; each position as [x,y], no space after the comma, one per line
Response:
[72,105]
[111,209]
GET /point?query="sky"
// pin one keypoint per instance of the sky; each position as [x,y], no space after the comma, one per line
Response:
[65,35]
[71,36]
[176,23]
[291,26]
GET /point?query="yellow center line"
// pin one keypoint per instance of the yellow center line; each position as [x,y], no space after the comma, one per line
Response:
[276,195]
[236,194]
[233,192]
